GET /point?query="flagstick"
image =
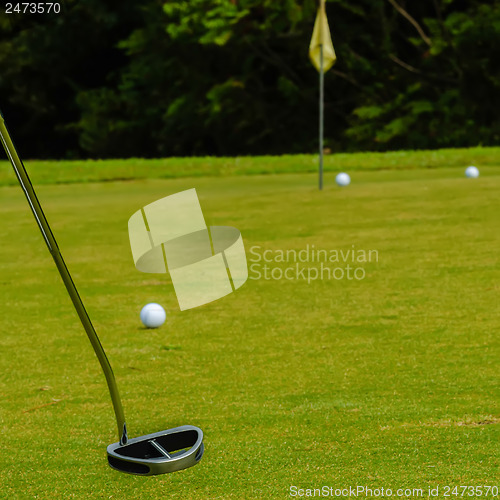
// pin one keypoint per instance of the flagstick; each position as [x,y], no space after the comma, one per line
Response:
[321,113]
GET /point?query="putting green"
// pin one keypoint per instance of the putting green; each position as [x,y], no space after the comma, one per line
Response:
[386,381]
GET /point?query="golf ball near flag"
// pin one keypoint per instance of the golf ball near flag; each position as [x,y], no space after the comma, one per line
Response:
[342,179]
[153,315]
[472,172]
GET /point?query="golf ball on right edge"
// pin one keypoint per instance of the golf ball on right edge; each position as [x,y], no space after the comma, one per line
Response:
[472,172]
[343,179]
[153,315]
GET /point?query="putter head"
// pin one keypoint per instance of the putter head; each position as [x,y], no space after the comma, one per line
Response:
[158,453]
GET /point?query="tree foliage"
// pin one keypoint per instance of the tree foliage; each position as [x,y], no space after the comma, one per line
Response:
[226,77]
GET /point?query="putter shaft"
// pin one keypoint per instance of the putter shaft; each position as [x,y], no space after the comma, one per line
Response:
[41,220]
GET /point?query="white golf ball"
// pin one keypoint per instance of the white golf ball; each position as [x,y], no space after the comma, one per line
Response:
[472,172]
[153,315]
[343,179]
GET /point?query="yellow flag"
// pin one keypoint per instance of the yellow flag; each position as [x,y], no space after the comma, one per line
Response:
[321,37]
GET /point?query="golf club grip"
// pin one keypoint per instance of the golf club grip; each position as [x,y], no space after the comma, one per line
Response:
[41,220]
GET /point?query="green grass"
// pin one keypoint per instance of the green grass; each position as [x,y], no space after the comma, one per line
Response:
[390,381]
[64,172]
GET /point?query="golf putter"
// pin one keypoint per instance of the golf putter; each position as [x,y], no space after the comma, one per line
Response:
[166,451]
